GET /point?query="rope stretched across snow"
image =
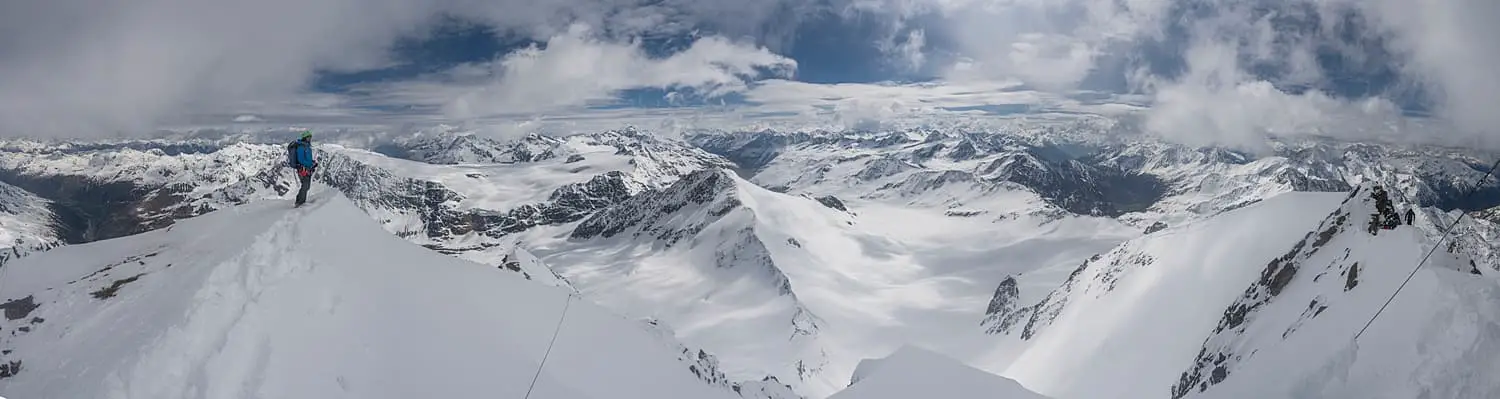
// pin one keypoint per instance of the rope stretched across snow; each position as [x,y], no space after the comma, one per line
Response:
[555,330]
[1435,246]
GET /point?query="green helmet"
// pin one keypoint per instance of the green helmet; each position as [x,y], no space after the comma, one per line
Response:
[306,135]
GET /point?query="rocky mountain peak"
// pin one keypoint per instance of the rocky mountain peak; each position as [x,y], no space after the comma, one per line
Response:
[707,194]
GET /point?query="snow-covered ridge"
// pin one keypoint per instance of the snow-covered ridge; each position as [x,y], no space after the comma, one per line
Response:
[267,284]
[705,217]
[1344,268]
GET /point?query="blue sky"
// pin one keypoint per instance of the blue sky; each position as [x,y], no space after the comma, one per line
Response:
[831,48]
[828,49]
[843,48]
[1199,70]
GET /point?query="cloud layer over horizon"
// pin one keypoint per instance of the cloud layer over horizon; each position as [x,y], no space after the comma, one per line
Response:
[1207,72]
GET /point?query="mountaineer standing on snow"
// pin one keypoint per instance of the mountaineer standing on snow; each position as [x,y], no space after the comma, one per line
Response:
[300,156]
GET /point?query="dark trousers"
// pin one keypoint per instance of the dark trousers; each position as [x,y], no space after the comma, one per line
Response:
[306,181]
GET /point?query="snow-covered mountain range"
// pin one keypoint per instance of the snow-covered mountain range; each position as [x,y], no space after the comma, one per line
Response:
[1057,255]
[448,146]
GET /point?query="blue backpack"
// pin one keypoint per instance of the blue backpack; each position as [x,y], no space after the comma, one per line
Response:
[291,153]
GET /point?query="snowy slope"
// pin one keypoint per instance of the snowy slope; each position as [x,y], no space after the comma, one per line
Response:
[1125,320]
[1438,339]
[1297,320]
[912,372]
[265,301]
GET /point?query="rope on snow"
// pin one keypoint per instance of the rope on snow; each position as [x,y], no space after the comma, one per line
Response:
[555,330]
[1435,246]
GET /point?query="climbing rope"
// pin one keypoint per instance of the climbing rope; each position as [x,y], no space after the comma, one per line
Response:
[3,268]
[1435,246]
[555,330]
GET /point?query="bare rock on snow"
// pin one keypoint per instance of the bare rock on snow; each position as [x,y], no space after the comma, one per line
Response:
[17,309]
[832,202]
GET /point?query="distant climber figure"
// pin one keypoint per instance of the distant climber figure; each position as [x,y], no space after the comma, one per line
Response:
[300,157]
[1411,216]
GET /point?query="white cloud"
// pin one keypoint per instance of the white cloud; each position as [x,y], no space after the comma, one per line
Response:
[906,51]
[1452,47]
[573,71]
[1439,44]
[578,69]
[1052,44]
[1217,102]
[96,66]
[788,106]
[100,66]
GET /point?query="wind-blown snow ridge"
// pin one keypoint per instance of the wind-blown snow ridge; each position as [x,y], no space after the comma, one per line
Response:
[912,372]
[263,300]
